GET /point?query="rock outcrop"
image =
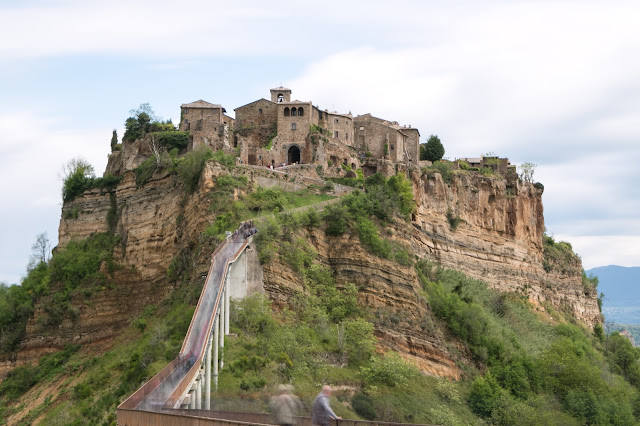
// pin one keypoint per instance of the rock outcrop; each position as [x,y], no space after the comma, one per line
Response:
[486,227]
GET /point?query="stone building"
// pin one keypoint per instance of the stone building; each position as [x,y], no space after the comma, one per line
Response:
[208,124]
[380,138]
[281,130]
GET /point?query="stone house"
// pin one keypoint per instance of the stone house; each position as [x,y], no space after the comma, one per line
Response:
[208,124]
[281,130]
[380,138]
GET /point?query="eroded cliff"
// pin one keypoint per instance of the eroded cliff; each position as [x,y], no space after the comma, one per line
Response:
[482,226]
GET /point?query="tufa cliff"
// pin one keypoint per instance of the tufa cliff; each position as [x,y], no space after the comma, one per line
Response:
[486,227]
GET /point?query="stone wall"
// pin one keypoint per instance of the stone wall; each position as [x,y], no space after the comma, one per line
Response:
[259,113]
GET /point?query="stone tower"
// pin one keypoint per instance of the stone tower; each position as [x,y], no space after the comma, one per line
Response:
[280,94]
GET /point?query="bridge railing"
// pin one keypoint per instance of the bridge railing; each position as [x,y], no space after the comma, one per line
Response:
[165,389]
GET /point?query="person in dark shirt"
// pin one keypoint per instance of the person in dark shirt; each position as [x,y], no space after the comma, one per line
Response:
[321,411]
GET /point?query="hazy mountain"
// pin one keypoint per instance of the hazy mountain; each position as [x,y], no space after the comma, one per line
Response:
[621,287]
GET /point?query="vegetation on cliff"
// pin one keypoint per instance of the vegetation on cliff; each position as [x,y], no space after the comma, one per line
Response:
[520,367]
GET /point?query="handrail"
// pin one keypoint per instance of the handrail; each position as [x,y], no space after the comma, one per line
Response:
[165,388]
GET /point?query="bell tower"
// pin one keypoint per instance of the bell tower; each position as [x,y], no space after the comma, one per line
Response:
[280,94]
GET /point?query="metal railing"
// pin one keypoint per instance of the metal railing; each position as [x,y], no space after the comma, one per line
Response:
[167,388]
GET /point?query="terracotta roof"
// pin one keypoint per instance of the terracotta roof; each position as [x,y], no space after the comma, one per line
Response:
[200,104]
[281,88]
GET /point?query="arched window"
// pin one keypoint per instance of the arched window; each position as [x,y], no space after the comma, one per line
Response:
[294,111]
[286,112]
[293,126]
[280,97]
[300,111]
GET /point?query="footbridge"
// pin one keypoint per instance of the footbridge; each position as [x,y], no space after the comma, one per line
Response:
[180,394]
[187,381]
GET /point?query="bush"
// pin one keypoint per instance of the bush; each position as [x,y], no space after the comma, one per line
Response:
[444,168]
[77,183]
[390,370]
[172,139]
[363,405]
[191,165]
[485,395]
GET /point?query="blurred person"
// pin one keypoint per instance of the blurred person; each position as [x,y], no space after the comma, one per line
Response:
[285,406]
[321,411]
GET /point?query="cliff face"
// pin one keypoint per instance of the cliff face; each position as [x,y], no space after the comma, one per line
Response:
[154,224]
[391,291]
[497,238]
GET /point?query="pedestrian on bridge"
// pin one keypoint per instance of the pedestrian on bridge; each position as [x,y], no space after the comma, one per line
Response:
[321,411]
[285,406]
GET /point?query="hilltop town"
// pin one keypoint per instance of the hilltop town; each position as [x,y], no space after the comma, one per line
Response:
[276,131]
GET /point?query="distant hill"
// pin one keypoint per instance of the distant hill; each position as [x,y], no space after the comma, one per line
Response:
[621,287]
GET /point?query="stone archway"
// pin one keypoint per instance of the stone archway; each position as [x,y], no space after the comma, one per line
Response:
[293,154]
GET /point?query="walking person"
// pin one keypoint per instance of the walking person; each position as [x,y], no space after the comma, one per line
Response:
[321,411]
[285,406]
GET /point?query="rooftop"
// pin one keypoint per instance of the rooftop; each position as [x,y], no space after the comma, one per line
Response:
[200,104]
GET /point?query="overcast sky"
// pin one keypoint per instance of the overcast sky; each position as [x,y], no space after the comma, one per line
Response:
[555,83]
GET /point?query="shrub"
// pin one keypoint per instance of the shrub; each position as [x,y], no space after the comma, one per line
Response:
[191,165]
[390,370]
[80,180]
[172,139]
[485,395]
[444,168]
[363,405]
[145,171]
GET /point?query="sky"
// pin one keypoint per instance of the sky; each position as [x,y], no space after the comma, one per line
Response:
[553,83]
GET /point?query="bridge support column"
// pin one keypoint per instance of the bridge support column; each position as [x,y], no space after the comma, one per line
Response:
[215,344]
[207,376]
[198,391]
[227,292]
[222,317]
[192,397]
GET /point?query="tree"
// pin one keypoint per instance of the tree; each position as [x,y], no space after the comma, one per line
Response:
[74,165]
[39,251]
[77,176]
[432,150]
[114,140]
[526,171]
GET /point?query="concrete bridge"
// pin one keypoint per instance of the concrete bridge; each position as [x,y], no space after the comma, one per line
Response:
[180,394]
[187,381]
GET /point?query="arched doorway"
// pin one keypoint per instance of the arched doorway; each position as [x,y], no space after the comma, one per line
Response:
[293,155]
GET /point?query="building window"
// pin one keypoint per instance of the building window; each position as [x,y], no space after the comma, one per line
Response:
[260,111]
[294,111]
[346,135]
[336,121]
[280,98]
[286,112]
[300,112]
[335,134]
[264,122]
[293,126]
[392,147]
[361,128]
[320,115]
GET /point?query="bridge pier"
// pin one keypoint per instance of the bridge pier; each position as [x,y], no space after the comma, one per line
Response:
[215,344]
[207,376]
[223,316]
